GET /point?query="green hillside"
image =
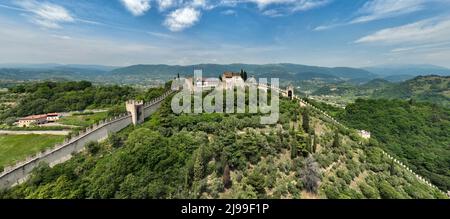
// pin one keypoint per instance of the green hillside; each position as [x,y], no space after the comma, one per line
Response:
[435,89]
[417,133]
[227,156]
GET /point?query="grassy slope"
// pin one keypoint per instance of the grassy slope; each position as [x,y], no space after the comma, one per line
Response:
[83,120]
[17,147]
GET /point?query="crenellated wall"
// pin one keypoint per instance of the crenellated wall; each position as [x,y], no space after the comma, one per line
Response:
[62,152]
[304,103]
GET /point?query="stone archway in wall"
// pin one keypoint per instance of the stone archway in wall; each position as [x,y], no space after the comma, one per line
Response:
[290,92]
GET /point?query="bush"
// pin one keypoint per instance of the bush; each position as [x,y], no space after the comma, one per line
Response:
[388,192]
[311,174]
[368,192]
[332,192]
[256,180]
[93,147]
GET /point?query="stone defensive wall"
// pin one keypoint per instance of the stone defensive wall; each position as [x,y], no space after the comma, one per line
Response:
[60,153]
[337,123]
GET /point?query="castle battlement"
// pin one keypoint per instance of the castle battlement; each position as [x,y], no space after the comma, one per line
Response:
[135,102]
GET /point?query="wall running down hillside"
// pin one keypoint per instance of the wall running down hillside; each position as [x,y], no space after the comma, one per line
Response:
[337,123]
[62,152]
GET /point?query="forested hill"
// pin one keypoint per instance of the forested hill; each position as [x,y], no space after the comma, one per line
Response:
[48,97]
[294,71]
[431,88]
[417,133]
[227,156]
[138,73]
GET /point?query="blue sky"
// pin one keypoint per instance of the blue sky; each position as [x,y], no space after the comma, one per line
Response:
[314,32]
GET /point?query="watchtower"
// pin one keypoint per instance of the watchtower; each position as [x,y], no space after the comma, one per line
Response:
[290,92]
[136,108]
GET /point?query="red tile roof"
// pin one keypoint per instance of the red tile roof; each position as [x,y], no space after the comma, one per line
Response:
[34,117]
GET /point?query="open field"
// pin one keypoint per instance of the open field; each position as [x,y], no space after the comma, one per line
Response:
[17,147]
[83,120]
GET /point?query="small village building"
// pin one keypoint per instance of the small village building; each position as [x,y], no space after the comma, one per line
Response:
[232,79]
[53,117]
[33,120]
[207,82]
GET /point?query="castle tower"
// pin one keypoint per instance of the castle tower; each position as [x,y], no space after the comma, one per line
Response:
[290,92]
[136,108]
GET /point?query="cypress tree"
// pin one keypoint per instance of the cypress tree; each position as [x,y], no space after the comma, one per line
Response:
[336,140]
[294,149]
[198,168]
[315,142]
[305,121]
[226,178]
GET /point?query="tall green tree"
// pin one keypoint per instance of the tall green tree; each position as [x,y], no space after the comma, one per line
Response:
[305,123]
[226,178]
[315,142]
[336,139]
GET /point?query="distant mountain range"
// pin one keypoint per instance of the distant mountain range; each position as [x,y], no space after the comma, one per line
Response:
[405,72]
[282,71]
[145,73]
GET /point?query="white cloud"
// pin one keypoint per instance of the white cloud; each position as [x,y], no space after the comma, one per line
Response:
[46,14]
[273,13]
[308,4]
[282,6]
[185,13]
[429,30]
[62,37]
[137,7]
[423,47]
[381,9]
[161,35]
[165,4]
[182,18]
[229,12]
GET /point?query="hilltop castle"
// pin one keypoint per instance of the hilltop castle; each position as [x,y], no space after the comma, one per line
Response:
[228,80]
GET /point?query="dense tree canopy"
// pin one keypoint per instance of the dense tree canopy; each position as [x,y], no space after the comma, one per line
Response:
[418,133]
[49,97]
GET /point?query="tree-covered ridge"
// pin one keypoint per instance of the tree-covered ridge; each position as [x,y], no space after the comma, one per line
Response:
[48,97]
[418,133]
[432,88]
[226,156]
[435,89]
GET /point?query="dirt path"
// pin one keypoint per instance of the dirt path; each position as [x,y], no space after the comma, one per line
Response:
[358,179]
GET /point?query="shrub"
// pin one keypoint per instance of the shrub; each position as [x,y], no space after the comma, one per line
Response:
[311,174]
[368,191]
[93,147]
[256,180]
[388,192]
[332,192]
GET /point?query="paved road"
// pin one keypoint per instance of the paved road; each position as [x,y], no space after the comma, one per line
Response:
[9,132]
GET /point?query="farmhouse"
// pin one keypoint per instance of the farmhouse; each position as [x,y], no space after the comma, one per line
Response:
[33,120]
[38,119]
